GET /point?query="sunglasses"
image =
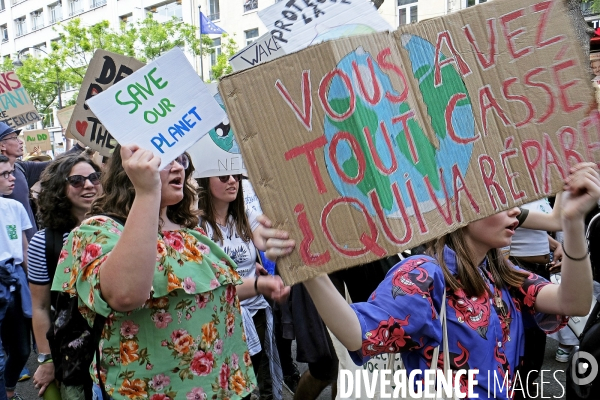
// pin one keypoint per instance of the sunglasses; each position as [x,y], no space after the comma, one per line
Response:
[7,174]
[182,160]
[225,178]
[78,181]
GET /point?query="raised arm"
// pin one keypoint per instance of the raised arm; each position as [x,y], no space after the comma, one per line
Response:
[126,276]
[545,222]
[574,295]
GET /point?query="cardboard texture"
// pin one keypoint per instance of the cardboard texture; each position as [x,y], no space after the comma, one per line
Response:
[38,138]
[16,108]
[296,24]
[218,152]
[64,117]
[105,69]
[263,49]
[365,146]
[163,107]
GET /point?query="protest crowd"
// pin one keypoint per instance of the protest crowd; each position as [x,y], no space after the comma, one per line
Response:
[138,276]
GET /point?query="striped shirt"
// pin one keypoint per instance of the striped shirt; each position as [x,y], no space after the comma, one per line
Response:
[37,270]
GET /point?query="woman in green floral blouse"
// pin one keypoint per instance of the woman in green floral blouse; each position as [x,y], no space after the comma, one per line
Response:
[170,295]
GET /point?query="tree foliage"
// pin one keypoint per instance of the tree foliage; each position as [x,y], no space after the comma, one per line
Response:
[67,60]
[228,49]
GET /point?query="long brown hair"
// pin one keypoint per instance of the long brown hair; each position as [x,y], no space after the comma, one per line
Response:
[469,279]
[236,210]
[54,208]
[119,194]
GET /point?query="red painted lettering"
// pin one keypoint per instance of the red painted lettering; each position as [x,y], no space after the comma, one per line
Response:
[415,203]
[567,137]
[369,241]
[384,64]
[519,98]
[590,132]
[308,149]
[544,7]
[562,87]
[459,185]
[375,155]
[304,115]
[510,176]
[446,216]
[490,61]
[546,88]
[487,101]
[448,116]
[530,162]
[511,35]
[487,166]
[324,87]
[361,164]
[456,59]
[409,140]
[408,233]
[375,97]
[550,158]
[308,237]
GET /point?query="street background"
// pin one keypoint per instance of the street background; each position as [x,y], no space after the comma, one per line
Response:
[551,390]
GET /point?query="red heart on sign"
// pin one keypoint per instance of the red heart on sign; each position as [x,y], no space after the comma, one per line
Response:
[81,127]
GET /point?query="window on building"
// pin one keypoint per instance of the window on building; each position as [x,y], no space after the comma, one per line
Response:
[97,3]
[407,12]
[20,27]
[124,18]
[75,7]
[169,10]
[469,3]
[4,31]
[40,50]
[216,46]
[37,20]
[55,12]
[251,35]
[2,6]
[250,5]
[214,12]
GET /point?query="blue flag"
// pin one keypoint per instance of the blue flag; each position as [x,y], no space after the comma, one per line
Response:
[207,27]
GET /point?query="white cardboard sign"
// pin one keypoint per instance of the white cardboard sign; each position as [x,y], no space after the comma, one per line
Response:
[296,25]
[218,152]
[263,49]
[163,107]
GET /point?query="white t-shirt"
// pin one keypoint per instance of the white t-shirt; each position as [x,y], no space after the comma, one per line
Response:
[529,242]
[243,253]
[250,198]
[13,221]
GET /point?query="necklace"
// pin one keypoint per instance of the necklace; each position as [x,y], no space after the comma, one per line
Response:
[497,293]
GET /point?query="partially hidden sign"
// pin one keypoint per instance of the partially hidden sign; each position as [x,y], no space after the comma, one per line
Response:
[295,25]
[105,69]
[164,107]
[64,117]
[263,49]
[38,138]
[365,146]
[16,108]
[217,153]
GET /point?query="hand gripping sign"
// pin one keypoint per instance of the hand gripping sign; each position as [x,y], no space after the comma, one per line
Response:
[163,107]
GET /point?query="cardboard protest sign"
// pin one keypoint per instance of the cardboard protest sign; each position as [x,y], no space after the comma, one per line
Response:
[365,146]
[16,108]
[38,138]
[296,25]
[263,49]
[164,107]
[218,152]
[64,116]
[105,70]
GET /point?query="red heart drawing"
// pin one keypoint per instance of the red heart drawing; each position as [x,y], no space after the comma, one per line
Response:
[81,127]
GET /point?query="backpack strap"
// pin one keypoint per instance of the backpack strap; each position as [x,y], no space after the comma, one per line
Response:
[53,247]
[99,321]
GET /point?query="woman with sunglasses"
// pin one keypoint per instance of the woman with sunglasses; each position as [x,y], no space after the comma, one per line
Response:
[224,217]
[69,185]
[169,294]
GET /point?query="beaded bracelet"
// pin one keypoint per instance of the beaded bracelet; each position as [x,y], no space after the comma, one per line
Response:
[573,258]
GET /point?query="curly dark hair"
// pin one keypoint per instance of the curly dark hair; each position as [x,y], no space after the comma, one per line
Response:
[237,210]
[119,193]
[54,208]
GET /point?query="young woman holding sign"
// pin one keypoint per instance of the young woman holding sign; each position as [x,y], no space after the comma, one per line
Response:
[488,301]
[170,295]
